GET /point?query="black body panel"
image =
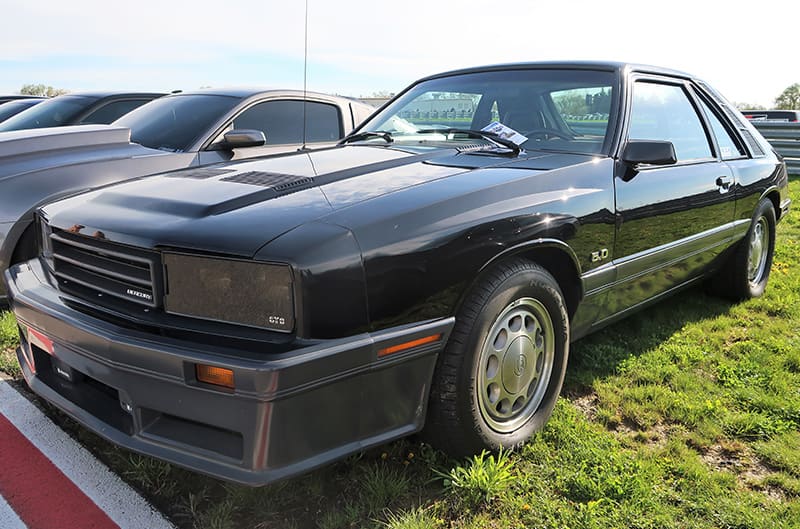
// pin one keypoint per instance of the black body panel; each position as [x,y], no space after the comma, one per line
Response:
[377,243]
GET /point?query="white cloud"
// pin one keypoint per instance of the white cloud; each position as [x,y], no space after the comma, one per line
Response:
[386,43]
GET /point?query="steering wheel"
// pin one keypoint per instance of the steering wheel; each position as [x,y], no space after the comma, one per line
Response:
[547,131]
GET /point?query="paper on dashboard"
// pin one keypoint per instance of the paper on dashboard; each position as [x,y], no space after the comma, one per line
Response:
[495,127]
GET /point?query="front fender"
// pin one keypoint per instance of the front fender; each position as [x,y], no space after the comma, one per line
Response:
[329,286]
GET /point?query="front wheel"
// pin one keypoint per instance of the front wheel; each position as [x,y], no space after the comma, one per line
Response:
[499,377]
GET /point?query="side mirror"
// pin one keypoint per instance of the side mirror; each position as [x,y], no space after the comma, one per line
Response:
[239,138]
[651,152]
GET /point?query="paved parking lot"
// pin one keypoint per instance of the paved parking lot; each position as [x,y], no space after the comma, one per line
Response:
[48,481]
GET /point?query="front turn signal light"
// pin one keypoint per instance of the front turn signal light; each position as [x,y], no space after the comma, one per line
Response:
[218,376]
[409,345]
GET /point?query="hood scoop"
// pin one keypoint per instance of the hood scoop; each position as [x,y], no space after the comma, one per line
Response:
[198,174]
[276,181]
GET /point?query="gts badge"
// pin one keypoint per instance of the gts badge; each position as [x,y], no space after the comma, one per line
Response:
[599,255]
[277,320]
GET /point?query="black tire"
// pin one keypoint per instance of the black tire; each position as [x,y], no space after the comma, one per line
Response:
[479,374]
[746,272]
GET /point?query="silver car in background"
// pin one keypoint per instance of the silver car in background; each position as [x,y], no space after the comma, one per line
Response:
[174,132]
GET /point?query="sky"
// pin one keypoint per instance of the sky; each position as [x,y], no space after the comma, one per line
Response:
[358,47]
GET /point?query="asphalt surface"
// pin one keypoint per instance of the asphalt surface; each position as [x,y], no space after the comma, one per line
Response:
[49,481]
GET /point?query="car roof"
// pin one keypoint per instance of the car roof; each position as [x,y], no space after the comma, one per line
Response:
[20,96]
[26,101]
[16,97]
[114,93]
[245,92]
[614,66]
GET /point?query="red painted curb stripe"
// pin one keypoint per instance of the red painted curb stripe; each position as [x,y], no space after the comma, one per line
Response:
[41,495]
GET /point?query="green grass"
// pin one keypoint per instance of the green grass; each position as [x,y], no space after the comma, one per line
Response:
[8,341]
[686,415]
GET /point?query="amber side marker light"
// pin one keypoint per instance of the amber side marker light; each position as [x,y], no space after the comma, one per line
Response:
[218,376]
[408,345]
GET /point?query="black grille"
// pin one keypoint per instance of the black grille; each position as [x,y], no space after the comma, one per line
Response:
[277,181]
[104,272]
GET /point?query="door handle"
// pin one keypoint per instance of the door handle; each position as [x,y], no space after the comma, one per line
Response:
[724,184]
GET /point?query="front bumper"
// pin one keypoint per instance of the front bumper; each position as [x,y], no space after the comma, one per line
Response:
[290,412]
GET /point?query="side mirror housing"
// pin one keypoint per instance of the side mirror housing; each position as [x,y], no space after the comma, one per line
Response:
[238,138]
[650,152]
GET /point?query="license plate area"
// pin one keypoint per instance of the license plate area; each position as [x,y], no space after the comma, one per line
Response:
[64,371]
[98,399]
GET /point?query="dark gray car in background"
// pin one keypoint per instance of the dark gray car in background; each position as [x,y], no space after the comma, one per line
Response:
[78,109]
[174,132]
[15,106]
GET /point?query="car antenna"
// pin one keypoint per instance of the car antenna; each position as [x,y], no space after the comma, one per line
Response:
[305,75]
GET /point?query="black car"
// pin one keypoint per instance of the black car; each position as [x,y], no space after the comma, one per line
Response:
[14,107]
[78,109]
[257,319]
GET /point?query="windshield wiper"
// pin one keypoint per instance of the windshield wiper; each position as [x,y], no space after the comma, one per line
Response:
[499,141]
[367,134]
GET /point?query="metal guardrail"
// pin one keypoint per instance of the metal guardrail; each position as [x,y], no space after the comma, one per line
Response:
[784,138]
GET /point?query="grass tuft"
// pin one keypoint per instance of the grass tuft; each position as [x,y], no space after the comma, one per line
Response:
[484,477]
[416,518]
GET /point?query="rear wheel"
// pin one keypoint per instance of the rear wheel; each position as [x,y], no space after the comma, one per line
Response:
[499,377]
[746,274]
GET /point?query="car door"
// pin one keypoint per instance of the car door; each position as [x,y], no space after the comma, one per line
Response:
[281,121]
[672,220]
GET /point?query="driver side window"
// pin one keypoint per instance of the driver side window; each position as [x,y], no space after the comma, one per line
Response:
[281,121]
[664,112]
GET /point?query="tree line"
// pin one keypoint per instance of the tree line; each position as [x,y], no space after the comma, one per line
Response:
[789,99]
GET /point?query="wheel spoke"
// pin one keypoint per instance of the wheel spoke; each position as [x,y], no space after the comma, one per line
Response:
[538,364]
[492,367]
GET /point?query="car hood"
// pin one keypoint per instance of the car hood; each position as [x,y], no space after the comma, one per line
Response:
[236,208]
[26,151]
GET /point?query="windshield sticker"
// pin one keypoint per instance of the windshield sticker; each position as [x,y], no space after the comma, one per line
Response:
[495,127]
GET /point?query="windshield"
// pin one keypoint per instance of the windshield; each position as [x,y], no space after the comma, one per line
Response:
[174,123]
[61,110]
[553,109]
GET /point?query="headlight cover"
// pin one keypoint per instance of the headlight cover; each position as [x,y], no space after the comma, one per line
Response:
[251,293]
